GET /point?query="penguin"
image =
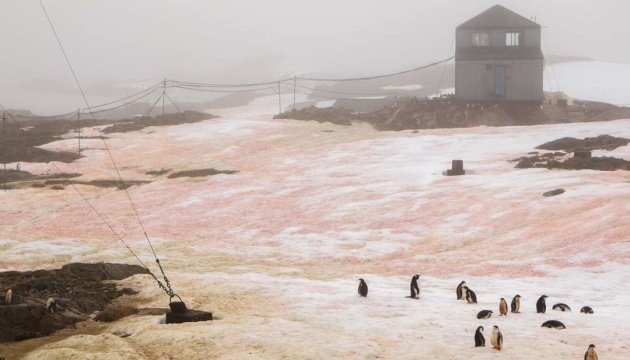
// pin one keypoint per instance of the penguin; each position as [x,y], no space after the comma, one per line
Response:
[553,324]
[8,297]
[484,314]
[50,305]
[480,341]
[415,289]
[586,310]
[497,338]
[471,297]
[541,306]
[516,304]
[561,307]
[503,309]
[460,291]
[363,288]
[590,353]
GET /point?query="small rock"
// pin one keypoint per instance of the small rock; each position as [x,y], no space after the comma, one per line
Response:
[554,192]
[123,333]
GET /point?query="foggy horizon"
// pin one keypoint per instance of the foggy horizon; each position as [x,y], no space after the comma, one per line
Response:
[202,41]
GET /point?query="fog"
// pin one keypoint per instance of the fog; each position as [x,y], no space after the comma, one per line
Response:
[117,44]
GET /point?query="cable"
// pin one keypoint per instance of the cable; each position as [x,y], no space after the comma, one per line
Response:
[450,48]
[173,102]
[381,76]
[210,85]
[151,88]
[153,105]
[26,134]
[123,104]
[221,91]
[341,98]
[193,84]
[341,92]
[169,291]
[46,116]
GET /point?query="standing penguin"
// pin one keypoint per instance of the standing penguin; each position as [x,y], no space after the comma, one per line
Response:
[471,297]
[50,305]
[541,306]
[590,353]
[8,297]
[497,338]
[415,289]
[479,339]
[516,304]
[460,291]
[363,288]
[503,309]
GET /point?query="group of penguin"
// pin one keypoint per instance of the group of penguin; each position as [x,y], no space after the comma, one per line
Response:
[465,293]
[51,305]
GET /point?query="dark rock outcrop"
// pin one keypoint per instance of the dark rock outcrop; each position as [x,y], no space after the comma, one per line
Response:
[582,158]
[78,289]
[569,144]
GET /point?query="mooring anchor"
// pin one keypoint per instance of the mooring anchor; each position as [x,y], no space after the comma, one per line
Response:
[181,314]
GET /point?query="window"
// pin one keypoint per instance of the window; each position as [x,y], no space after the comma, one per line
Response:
[513,39]
[481,39]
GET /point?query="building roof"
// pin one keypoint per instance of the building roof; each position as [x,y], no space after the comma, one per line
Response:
[499,53]
[498,17]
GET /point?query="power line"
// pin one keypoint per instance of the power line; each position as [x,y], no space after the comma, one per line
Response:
[167,289]
[221,91]
[236,85]
[195,84]
[343,98]
[450,48]
[204,87]
[123,104]
[383,75]
[344,92]
[149,89]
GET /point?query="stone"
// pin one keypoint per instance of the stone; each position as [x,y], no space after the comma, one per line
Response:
[554,192]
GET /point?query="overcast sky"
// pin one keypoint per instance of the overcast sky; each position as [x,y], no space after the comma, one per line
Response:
[116,41]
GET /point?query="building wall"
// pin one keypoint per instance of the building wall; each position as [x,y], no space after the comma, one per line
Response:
[474,80]
[530,37]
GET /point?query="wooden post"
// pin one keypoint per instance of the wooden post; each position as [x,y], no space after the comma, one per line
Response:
[79,131]
[163,95]
[4,154]
[294,86]
[279,100]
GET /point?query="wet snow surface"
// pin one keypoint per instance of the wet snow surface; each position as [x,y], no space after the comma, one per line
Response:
[276,249]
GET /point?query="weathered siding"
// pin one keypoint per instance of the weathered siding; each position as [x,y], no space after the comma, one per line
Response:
[474,80]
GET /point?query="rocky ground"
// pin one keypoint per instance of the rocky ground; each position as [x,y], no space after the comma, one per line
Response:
[412,113]
[79,289]
[22,137]
[581,158]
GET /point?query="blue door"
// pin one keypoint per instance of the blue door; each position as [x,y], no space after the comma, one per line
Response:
[499,80]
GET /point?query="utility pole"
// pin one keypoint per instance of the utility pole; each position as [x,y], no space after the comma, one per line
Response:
[79,122]
[279,100]
[4,152]
[294,86]
[163,95]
